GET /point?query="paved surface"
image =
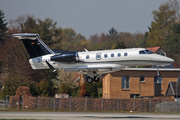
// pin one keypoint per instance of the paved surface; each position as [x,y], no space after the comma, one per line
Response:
[87,116]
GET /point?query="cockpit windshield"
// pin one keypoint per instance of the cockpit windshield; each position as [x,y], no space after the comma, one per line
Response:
[145,52]
[149,52]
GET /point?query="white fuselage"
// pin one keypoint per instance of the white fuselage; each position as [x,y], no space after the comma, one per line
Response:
[103,61]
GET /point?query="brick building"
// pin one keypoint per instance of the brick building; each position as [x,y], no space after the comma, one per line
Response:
[141,82]
[138,82]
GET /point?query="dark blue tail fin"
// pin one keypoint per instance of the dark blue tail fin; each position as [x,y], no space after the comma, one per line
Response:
[34,45]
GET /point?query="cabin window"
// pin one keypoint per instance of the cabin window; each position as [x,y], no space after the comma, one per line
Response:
[87,56]
[142,79]
[105,55]
[125,82]
[119,54]
[112,55]
[125,54]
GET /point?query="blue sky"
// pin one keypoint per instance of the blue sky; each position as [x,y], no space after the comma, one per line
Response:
[88,17]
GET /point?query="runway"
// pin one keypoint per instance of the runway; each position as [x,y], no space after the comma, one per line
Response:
[87,116]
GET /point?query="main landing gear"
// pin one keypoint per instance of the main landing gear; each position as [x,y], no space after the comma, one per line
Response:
[95,79]
[158,73]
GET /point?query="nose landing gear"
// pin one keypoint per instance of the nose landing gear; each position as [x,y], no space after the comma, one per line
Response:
[158,73]
[89,79]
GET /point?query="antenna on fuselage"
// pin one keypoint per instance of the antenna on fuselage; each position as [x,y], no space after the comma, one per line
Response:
[85,49]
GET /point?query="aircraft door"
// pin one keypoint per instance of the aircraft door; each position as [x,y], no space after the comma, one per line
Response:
[98,56]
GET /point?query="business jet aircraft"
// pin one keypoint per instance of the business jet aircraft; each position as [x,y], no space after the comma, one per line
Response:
[92,63]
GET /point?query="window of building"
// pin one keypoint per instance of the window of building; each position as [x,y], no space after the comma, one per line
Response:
[104,95]
[87,56]
[105,55]
[134,95]
[125,82]
[158,79]
[158,84]
[142,79]
[112,55]
[125,54]
[119,54]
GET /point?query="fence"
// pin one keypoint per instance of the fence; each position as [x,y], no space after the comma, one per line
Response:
[167,106]
[4,102]
[84,104]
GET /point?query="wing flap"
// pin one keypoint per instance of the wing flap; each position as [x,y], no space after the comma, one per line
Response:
[90,67]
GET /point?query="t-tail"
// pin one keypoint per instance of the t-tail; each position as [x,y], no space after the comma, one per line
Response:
[34,45]
[42,57]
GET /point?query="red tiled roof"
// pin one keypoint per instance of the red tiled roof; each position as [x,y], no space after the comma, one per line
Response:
[154,49]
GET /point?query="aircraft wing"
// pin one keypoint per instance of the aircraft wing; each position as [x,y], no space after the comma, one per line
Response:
[95,66]
[90,67]
[100,69]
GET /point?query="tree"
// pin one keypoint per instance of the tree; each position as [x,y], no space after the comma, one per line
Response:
[14,57]
[94,42]
[47,29]
[113,32]
[110,39]
[120,45]
[143,44]
[3,28]
[173,41]
[64,83]
[164,17]
[91,89]
[42,88]
[72,41]
[83,90]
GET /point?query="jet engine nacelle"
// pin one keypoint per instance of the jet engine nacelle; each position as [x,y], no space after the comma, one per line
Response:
[66,57]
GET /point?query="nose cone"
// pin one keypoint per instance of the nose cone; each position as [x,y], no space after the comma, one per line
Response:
[165,60]
[170,60]
[161,60]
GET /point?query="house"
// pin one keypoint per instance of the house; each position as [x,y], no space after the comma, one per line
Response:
[174,90]
[140,82]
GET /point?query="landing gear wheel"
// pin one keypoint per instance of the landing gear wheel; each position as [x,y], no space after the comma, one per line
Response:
[158,74]
[96,78]
[89,80]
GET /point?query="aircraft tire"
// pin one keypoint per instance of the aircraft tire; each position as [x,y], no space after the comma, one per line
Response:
[96,79]
[89,80]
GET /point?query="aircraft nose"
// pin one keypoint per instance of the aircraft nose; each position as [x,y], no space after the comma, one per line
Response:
[162,60]
[170,60]
[167,59]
